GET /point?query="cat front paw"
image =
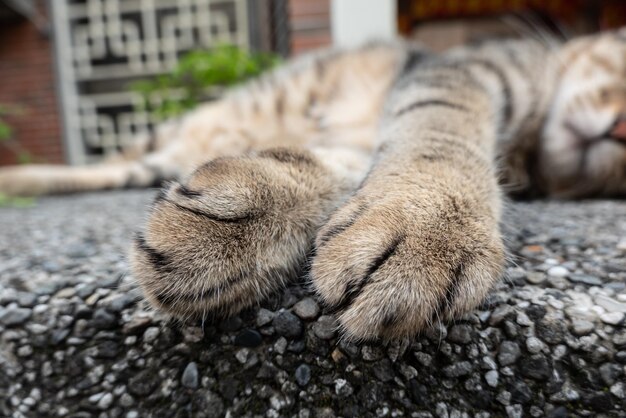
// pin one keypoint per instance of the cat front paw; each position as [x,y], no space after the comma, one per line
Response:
[391,264]
[232,233]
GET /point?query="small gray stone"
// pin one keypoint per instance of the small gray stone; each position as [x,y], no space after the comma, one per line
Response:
[25,351]
[566,394]
[459,369]
[151,334]
[523,319]
[535,277]
[533,345]
[610,304]
[509,353]
[383,370]
[287,325]
[26,300]
[103,319]
[343,388]
[514,411]
[248,338]
[424,358]
[558,271]
[14,316]
[585,279]
[325,327]
[460,334]
[372,353]
[581,326]
[120,302]
[280,345]
[618,390]
[264,317]
[106,401]
[190,376]
[126,400]
[612,318]
[306,309]
[303,375]
[610,373]
[500,314]
[536,367]
[491,377]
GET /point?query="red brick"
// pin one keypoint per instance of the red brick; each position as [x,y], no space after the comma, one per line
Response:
[28,82]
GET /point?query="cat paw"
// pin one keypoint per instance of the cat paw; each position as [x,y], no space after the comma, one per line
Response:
[232,233]
[392,263]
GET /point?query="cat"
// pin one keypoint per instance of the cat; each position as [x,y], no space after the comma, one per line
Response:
[384,166]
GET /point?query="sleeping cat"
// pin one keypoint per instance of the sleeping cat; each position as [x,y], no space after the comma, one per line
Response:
[385,166]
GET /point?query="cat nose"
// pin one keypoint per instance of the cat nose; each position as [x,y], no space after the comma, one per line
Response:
[618,131]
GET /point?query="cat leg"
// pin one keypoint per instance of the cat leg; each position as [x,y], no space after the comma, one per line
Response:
[419,241]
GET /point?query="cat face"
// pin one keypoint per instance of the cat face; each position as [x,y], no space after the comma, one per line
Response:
[583,146]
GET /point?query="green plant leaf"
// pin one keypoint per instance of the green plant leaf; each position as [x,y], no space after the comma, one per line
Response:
[17,202]
[5,131]
[197,76]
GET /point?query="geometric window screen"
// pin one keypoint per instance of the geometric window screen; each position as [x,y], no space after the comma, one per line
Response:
[103,45]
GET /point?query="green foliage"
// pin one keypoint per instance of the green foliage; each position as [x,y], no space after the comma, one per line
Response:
[5,130]
[198,76]
[16,202]
[6,134]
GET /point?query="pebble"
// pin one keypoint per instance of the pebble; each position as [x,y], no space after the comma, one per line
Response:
[534,345]
[103,319]
[306,309]
[287,324]
[535,277]
[509,353]
[189,378]
[151,334]
[609,304]
[106,401]
[118,303]
[612,318]
[491,377]
[14,316]
[500,313]
[558,271]
[325,327]
[460,334]
[248,338]
[585,279]
[372,353]
[618,390]
[462,368]
[26,299]
[343,388]
[303,375]
[582,327]
[264,317]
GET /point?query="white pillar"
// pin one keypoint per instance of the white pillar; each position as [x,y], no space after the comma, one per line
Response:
[354,22]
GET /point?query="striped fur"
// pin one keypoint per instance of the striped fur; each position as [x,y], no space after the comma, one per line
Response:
[387,163]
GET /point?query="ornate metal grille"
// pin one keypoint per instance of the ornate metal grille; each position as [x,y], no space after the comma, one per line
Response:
[102,45]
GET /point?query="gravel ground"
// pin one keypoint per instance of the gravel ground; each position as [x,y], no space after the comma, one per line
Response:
[76,339]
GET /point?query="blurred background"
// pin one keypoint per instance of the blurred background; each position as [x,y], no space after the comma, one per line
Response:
[82,79]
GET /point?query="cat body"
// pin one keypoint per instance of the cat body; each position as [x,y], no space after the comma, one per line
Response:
[384,167]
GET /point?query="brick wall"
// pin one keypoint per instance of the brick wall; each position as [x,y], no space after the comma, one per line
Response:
[27,77]
[310,24]
[27,80]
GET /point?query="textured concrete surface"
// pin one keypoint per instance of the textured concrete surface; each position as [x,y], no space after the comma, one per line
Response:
[77,340]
